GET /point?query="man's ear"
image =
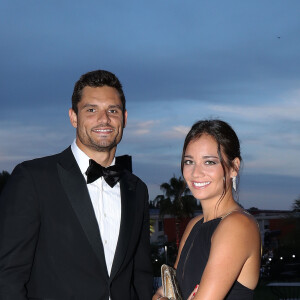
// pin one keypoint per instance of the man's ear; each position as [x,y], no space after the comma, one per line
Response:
[73,117]
[236,167]
[125,119]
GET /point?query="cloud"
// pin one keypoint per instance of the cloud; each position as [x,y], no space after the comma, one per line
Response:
[176,132]
[154,132]
[137,128]
[267,191]
[24,142]
[175,71]
[286,110]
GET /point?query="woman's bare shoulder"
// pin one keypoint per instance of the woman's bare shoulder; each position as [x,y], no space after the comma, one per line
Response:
[242,218]
[239,223]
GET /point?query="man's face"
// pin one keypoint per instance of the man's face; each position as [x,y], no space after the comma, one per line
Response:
[100,120]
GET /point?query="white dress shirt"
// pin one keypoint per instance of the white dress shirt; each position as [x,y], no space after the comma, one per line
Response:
[107,206]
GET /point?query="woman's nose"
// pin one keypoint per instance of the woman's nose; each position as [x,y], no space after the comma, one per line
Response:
[198,171]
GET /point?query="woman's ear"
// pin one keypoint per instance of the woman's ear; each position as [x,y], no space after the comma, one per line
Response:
[236,167]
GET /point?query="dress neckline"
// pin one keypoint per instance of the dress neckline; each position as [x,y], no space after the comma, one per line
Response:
[202,220]
[223,216]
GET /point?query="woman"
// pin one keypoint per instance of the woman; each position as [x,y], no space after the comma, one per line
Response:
[219,254]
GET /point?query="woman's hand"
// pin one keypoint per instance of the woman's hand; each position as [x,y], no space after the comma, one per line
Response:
[192,295]
[159,294]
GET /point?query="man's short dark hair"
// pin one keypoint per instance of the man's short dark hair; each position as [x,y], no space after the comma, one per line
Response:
[96,78]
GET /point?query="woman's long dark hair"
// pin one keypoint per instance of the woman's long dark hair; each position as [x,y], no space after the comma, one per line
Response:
[226,139]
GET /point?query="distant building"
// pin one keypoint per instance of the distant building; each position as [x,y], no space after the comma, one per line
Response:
[157,228]
[272,225]
[163,229]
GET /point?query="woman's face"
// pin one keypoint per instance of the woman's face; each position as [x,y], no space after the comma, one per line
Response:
[202,169]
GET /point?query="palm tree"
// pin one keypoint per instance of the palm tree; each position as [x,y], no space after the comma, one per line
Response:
[176,201]
[296,205]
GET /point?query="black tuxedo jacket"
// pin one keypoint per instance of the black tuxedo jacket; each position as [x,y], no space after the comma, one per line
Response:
[50,243]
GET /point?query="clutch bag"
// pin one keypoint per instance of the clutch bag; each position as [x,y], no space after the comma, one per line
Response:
[169,283]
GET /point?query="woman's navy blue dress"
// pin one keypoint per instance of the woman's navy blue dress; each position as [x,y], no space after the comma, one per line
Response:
[194,257]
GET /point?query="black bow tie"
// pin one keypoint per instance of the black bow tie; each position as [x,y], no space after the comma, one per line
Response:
[111,174]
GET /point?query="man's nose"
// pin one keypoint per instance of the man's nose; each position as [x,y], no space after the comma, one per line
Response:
[103,117]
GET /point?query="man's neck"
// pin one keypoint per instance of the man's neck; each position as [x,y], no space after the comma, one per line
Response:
[104,158]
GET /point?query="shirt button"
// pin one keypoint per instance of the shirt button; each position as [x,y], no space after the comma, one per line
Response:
[105,241]
[105,215]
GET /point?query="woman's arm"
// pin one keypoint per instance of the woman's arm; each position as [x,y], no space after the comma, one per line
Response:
[235,253]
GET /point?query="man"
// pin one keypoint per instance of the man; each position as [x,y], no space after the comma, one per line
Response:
[64,232]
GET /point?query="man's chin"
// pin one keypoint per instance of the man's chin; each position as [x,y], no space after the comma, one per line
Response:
[103,147]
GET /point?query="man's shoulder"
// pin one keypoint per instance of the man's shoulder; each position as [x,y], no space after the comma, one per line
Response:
[134,178]
[38,169]
[45,161]
[128,174]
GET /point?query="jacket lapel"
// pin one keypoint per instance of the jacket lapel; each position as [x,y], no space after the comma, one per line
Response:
[128,207]
[76,189]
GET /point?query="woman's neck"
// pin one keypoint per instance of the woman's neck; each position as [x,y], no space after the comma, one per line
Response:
[215,209]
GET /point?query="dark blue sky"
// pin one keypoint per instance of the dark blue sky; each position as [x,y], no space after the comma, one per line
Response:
[179,62]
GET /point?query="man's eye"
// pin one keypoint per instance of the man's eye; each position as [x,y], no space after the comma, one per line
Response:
[113,111]
[188,162]
[91,110]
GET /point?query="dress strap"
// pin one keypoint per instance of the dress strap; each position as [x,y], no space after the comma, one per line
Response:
[232,212]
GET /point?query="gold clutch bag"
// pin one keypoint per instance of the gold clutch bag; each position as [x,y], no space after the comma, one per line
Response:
[169,283]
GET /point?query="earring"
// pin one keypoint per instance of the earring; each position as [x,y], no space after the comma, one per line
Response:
[234,183]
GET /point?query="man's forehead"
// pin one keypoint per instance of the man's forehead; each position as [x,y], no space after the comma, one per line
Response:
[89,88]
[105,92]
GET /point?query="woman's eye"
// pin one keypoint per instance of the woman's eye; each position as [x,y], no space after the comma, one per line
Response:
[188,162]
[210,162]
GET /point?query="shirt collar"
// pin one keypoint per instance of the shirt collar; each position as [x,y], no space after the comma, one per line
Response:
[82,159]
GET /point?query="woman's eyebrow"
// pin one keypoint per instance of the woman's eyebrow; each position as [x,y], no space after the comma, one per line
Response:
[205,156]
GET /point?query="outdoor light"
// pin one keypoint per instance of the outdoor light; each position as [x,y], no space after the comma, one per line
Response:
[293,256]
[166,254]
[270,259]
[156,259]
[281,257]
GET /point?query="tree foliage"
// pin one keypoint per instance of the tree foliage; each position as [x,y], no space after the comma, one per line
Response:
[176,201]
[296,205]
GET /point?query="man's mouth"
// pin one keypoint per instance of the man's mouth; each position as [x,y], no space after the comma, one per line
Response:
[103,130]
